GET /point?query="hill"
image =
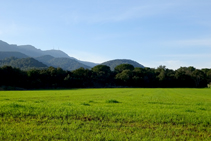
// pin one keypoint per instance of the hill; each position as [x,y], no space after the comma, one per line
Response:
[7,54]
[64,63]
[45,59]
[32,51]
[113,63]
[23,63]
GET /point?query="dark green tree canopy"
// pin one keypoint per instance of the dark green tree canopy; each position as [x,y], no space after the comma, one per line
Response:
[101,76]
[123,67]
[100,68]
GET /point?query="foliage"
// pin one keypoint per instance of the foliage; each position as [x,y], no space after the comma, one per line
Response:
[101,68]
[22,63]
[100,76]
[123,67]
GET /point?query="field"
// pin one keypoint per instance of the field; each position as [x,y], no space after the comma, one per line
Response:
[106,114]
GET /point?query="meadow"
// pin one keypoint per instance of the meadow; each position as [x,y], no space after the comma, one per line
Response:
[106,114]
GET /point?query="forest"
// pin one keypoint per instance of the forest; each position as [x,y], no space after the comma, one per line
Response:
[100,76]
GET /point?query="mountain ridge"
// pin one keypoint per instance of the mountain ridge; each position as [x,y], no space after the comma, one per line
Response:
[64,63]
[32,51]
[55,58]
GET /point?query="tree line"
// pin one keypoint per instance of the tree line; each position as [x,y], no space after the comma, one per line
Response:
[100,76]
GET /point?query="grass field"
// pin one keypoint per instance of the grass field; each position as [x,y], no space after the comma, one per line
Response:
[106,114]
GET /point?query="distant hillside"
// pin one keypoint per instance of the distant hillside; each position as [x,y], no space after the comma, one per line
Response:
[31,51]
[45,59]
[23,63]
[7,54]
[113,63]
[64,63]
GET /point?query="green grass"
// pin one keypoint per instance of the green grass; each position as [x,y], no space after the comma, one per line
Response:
[106,114]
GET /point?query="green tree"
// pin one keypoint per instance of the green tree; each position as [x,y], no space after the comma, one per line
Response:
[102,68]
[122,67]
[183,77]
[124,78]
[199,78]
[102,75]
[14,77]
[82,78]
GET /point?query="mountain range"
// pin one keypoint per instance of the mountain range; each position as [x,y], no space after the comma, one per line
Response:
[55,58]
[64,63]
[34,52]
[23,63]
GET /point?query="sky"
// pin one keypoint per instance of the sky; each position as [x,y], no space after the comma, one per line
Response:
[174,33]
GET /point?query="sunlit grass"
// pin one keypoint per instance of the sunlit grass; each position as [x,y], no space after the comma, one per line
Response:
[106,114]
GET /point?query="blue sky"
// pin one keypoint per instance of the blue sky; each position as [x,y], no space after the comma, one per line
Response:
[165,32]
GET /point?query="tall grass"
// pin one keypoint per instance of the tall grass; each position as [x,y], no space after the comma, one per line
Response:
[106,114]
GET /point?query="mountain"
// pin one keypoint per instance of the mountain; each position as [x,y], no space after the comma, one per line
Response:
[64,63]
[55,58]
[31,51]
[48,60]
[113,63]
[7,54]
[23,63]
[27,49]
[45,59]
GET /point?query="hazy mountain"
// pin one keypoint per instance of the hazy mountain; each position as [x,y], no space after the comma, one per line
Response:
[7,54]
[34,52]
[56,58]
[31,50]
[45,59]
[23,63]
[57,54]
[64,63]
[113,63]
[6,47]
